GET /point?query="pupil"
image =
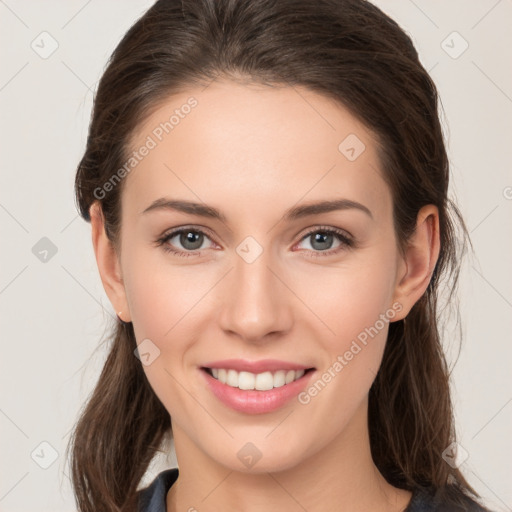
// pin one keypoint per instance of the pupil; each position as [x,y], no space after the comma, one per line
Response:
[193,238]
[321,238]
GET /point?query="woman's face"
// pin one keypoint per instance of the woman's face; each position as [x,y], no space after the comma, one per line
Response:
[264,278]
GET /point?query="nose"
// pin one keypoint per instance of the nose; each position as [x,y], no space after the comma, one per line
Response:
[256,303]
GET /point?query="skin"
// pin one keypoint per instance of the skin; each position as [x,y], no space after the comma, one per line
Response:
[253,152]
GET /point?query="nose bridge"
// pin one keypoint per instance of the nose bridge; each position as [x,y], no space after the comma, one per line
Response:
[256,304]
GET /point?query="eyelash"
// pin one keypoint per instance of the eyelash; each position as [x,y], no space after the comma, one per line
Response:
[346,242]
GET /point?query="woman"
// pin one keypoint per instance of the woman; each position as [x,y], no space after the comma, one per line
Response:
[267,187]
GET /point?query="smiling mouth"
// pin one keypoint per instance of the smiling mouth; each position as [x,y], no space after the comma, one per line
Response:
[256,381]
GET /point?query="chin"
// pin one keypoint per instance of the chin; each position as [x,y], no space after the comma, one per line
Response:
[265,459]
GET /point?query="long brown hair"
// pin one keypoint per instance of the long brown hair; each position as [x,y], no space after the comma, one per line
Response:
[344,49]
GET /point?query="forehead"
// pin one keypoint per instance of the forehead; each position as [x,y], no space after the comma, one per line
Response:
[253,146]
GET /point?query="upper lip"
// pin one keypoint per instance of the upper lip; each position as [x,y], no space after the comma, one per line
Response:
[264,365]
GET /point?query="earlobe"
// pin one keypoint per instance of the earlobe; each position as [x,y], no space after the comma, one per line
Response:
[420,260]
[108,262]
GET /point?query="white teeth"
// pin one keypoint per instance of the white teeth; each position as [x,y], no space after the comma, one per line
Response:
[279,378]
[264,381]
[261,381]
[232,378]
[246,380]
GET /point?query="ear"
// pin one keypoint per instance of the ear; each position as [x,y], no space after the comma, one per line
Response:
[420,259]
[108,263]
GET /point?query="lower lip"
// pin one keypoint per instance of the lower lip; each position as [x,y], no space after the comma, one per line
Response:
[253,401]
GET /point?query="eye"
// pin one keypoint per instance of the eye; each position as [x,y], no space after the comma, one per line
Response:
[191,239]
[322,238]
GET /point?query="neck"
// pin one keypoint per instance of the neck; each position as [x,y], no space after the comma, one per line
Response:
[341,476]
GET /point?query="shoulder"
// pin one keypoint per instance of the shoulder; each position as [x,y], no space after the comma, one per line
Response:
[448,499]
[152,498]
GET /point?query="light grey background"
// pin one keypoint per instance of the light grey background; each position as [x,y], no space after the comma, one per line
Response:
[54,313]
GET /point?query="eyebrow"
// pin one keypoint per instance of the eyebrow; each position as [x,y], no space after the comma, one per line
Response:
[297,212]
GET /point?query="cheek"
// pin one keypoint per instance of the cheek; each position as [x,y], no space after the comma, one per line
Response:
[159,294]
[153,303]
[161,306]
[355,306]
[358,313]
[351,301]
[166,302]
